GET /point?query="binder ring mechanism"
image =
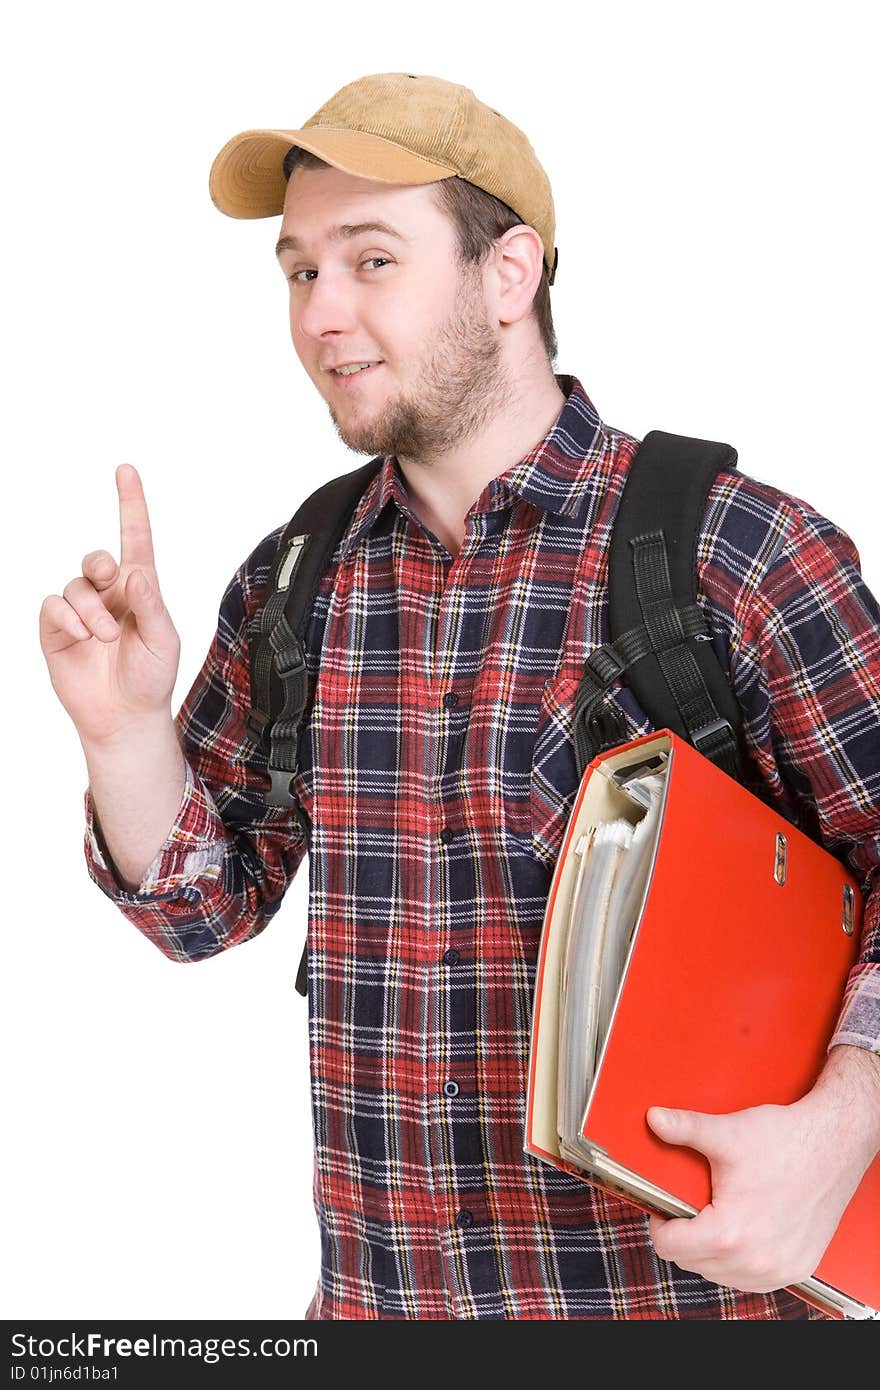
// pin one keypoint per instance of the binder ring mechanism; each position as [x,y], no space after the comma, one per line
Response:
[780,864]
[848,909]
[780,868]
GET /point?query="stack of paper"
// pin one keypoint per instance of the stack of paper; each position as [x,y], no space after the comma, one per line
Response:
[615,859]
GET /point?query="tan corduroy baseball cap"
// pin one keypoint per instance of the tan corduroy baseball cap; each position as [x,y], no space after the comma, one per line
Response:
[398,127]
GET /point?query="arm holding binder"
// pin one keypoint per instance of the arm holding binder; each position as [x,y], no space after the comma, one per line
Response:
[737,1034]
[782,1177]
[803,645]
[815,708]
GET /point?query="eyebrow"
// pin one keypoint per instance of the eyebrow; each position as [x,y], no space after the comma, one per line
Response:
[344,232]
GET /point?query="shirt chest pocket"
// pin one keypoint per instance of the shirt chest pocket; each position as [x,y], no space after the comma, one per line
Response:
[553,778]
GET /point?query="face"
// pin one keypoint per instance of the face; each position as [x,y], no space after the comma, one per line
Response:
[402,301]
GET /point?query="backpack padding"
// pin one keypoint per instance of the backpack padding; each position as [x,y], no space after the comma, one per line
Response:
[666,491]
[324,516]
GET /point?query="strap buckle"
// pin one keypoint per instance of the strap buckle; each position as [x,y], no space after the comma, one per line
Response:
[279,793]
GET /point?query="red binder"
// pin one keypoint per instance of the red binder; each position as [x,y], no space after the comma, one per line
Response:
[744,922]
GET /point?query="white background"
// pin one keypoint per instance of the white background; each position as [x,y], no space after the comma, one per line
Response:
[714,170]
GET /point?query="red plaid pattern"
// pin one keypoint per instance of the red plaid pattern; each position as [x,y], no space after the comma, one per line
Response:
[437,768]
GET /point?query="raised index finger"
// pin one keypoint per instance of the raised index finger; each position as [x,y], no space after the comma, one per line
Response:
[136,538]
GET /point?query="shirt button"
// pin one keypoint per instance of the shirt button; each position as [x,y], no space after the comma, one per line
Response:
[464,1219]
[450,699]
[451,957]
[450,1088]
[447,835]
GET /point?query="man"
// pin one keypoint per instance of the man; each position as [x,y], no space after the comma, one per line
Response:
[436,762]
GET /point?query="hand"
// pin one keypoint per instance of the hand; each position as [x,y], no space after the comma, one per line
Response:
[110,645]
[782,1176]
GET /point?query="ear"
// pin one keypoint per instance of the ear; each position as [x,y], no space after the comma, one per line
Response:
[518,260]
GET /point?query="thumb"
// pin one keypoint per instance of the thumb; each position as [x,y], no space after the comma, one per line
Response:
[691,1127]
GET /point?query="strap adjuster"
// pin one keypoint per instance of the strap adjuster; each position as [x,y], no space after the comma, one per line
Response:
[705,733]
[605,664]
[256,725]
[297,660]
[607,726]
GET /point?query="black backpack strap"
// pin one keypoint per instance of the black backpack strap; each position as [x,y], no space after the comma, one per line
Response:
[279,683]
[659,637]
[277,633]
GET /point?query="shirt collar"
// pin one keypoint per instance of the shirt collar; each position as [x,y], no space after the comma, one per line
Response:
[552,476]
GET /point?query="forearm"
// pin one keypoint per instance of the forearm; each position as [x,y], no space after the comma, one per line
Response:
[210,886]
[846,1097]
[136,784]
[186,800]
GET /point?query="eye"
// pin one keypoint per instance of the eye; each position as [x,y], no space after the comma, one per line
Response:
[294,277]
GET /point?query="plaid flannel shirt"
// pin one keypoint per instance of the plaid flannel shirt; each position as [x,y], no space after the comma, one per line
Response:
[438,772]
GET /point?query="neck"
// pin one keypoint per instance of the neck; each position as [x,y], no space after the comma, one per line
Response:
[444,488]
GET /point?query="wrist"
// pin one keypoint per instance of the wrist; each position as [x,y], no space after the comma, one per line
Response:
[846,1097]
[156,731]
[127,729]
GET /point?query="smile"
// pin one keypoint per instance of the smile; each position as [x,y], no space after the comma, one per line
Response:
[347,380]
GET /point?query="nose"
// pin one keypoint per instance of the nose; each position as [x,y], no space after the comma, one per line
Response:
[328,305]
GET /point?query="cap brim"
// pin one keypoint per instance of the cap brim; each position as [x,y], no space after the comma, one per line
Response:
[247,179]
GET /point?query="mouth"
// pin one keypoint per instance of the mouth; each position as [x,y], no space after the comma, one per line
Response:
[348,380]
